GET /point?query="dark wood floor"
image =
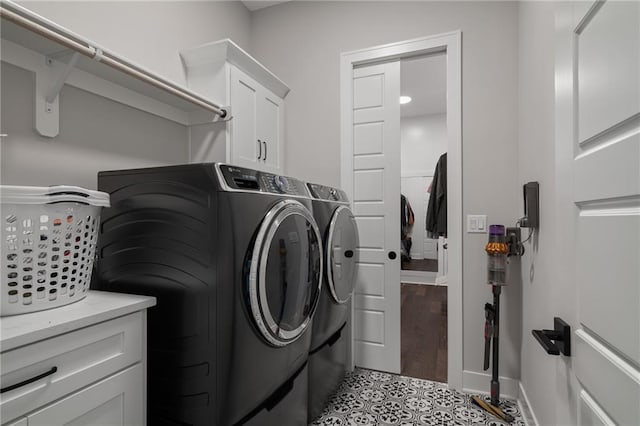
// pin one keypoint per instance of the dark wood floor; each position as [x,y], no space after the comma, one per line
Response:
[428,265]
[424,332]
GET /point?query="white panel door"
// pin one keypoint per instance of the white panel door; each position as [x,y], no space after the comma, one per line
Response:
[376,207]
[598,193]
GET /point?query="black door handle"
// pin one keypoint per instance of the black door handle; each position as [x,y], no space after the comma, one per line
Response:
[348,253]
[555,341]
[265,150]
[259,150]
[392,255]
[31,380]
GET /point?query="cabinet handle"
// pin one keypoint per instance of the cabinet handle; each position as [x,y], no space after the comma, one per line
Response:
[31,380]
[265,150]
[259,150]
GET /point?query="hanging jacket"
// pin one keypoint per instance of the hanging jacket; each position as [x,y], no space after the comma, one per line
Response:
[436,221]
[406,217]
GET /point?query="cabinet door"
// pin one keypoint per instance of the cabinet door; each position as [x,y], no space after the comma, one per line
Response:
[269,129]
[117,400]
[245,149]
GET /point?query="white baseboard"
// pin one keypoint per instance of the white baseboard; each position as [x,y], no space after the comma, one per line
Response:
[417,277]
[528,415]
[474,382]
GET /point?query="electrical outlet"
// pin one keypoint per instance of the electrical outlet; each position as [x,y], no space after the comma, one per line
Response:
[477,223]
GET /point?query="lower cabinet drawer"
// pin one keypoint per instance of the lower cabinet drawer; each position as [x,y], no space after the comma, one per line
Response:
[117,400]
[63,364]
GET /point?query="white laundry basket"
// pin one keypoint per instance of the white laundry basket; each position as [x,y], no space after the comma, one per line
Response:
[48,242]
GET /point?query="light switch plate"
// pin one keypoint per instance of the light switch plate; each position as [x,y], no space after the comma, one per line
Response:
[477,223]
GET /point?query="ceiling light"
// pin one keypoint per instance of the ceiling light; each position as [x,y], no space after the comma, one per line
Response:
[405,100]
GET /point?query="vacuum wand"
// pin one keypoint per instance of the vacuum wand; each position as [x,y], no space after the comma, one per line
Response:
[495,383]
[489,315]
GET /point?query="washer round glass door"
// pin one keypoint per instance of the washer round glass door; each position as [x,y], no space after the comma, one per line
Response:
[342,254]
[285,272]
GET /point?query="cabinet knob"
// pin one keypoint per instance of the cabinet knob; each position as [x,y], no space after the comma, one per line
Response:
[259,149]
[265,150]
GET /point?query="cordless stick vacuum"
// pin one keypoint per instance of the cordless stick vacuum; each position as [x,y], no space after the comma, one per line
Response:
[497,250]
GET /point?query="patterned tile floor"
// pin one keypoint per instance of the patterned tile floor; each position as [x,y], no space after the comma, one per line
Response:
[368,397]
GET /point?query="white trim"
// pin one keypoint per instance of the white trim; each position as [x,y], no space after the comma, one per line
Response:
[620,363]
[416,174]
[595,408]
[526,409]
[417,277]
[473,382]
[218,52]
[451,44]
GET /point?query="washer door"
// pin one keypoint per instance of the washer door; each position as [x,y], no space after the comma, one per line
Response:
[342,255]
[285,272]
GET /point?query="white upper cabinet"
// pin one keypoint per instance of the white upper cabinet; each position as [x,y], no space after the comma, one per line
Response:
[255,98]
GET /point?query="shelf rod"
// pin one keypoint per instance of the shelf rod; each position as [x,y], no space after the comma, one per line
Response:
[98,55]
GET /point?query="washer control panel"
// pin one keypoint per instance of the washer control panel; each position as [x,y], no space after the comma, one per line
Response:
[240,178]
[327,193]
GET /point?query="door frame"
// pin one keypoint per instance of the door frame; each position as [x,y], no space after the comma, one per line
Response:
[451,44]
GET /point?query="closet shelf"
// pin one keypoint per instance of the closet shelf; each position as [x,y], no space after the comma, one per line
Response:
[58,56]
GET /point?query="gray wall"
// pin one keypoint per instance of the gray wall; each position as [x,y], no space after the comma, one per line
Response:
[95,133]
[151,33]
[536,161]
[301,42]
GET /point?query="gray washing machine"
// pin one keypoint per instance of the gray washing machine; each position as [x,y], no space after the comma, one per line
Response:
[328,351]
[234,258]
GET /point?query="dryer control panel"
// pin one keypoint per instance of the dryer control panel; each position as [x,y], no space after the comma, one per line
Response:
[240,178]
[327,193]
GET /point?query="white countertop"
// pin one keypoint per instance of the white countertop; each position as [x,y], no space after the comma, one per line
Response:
[98,306]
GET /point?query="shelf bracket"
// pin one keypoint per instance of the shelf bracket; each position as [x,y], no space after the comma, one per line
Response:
[49,81]
[59,81]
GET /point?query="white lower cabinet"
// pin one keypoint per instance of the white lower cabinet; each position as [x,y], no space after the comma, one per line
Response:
[89,369]
[117,400]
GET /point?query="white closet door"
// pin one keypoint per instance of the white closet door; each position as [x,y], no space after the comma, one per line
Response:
[598,154]
[376,203]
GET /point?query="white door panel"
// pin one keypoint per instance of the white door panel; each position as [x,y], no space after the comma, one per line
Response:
[371,230]
[598,178]
[608,68]
[609,278]
[591,413]
[622,180]
[368,185]
[376,200]
[611,381]
[371,279]
[370,326]
[368,138]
